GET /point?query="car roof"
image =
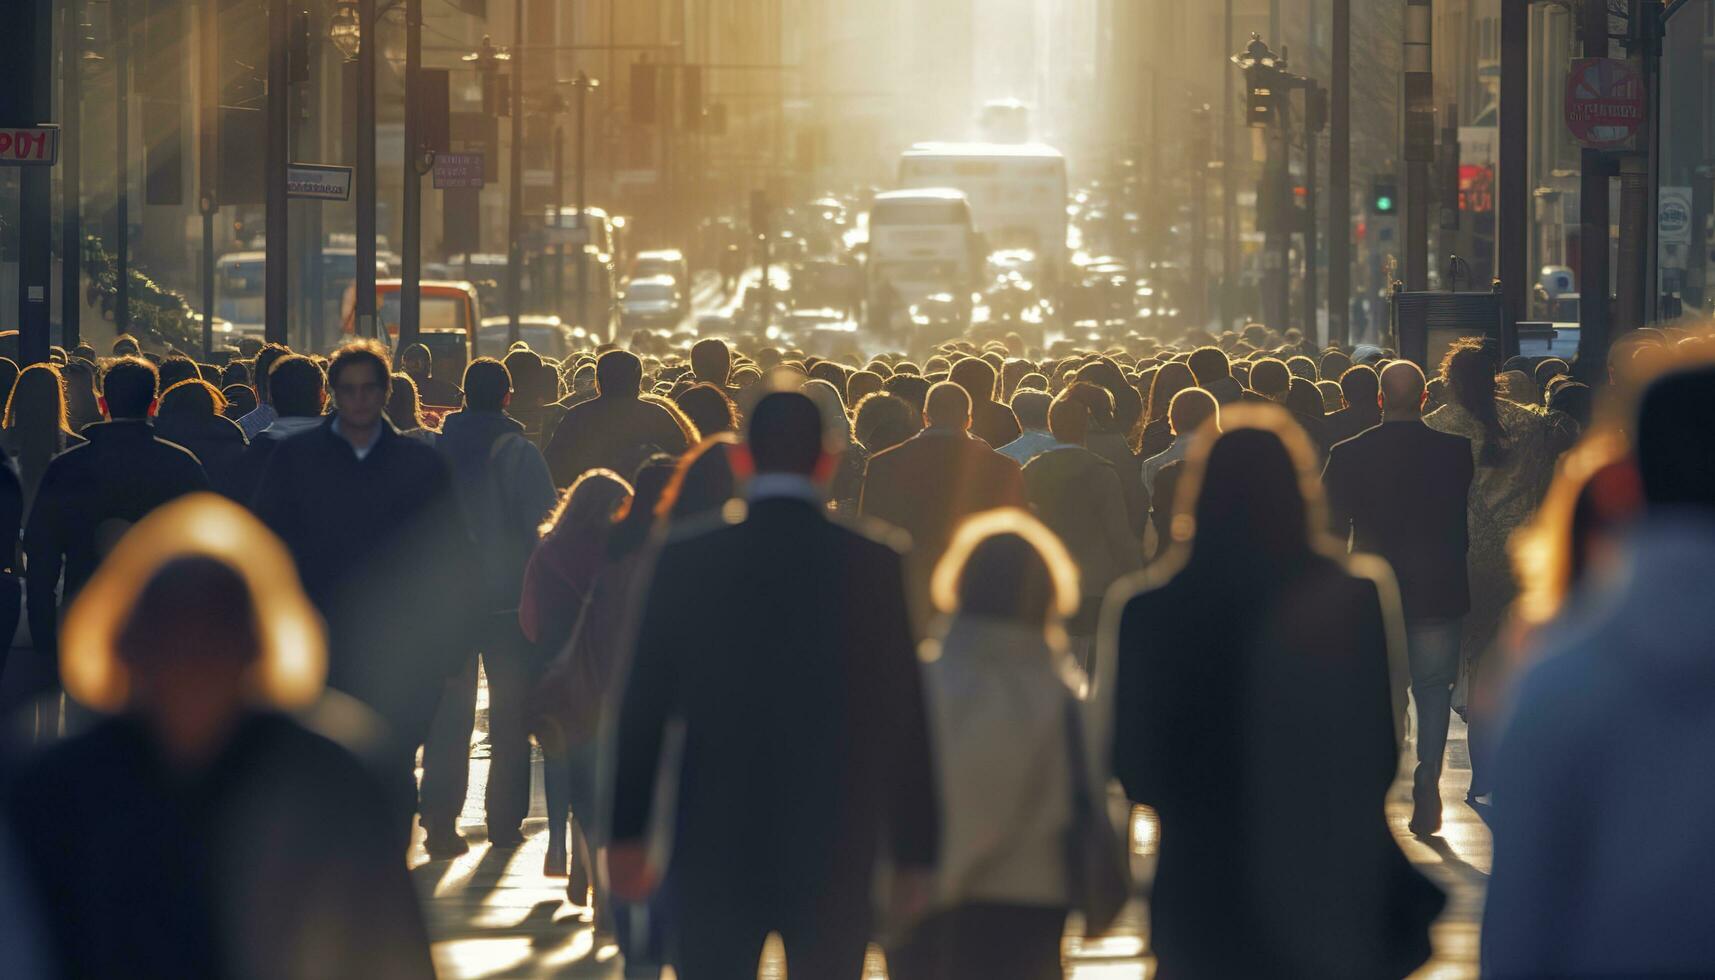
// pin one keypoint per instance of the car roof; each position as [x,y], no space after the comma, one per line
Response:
[922,194]
[654,281]
[662,254]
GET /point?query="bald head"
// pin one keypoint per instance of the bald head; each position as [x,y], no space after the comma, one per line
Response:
[1402,390]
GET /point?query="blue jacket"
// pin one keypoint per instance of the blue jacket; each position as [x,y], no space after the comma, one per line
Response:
[1603,864]
[505,490]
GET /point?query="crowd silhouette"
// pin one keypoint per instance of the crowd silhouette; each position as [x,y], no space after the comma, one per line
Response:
[869,653]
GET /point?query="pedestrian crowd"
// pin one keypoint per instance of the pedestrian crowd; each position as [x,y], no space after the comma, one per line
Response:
[866,652]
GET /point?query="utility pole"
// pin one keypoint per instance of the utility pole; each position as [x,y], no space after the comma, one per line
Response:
[363,316]
[1229,185]
[121,27]
[411,211]
[208,154]
[31,104]
[1595,315]
[1418,115]
[71,175]
[1340,179]
[1315,104]
[584,84]
[1512,214]
[515,185]
[559,206]
[276,262]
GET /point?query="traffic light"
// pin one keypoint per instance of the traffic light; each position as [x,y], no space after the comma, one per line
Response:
[1259,97]
[1384,195]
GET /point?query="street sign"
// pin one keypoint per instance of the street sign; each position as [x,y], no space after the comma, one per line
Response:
[29,146]
[458,171]
[1605,102]
[1675,216]
[318,182]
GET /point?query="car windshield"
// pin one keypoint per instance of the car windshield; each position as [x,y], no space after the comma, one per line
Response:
[438,312]
[649,292]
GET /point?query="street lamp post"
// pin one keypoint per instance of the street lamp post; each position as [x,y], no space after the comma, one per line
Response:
[364,312]
[277,249]
[71,180]
[515,187]
[584,85]
[411,231]
[121,26]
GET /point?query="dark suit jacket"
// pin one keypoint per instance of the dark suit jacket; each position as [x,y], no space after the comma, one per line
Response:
[927,485]
[994,423]
[783,644]
[612,431]
[1402,488]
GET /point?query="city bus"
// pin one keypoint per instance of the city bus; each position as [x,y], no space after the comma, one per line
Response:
[1017,193]
[921,243]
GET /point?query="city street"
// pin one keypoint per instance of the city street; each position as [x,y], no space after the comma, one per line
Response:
[494,915]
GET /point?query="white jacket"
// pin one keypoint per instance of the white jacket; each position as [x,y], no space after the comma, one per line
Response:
[998,698]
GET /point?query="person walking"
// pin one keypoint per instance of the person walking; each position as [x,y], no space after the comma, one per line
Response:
[991,421]
[1360,396]
[617,429]
[299,390]
[1213,373]
[190,416]
[505,492]
[90,495]
[1601,867]
[1076,493]
[967,475]
[374,525]
[805,738]
[264,414]
[1000,703]
[1398,491]
[1514,450]
[1031,408]
[419,363]
[36,427]
[1255,642]
[201,831]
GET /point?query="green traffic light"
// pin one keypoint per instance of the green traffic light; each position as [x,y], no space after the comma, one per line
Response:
[1384,204]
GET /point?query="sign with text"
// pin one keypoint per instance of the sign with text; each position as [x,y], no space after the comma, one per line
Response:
[1675,216]
[318,182]
[458,171]
[29,146]
[1605,102]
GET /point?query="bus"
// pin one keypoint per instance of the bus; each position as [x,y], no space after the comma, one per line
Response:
[921,243]
[1017,193]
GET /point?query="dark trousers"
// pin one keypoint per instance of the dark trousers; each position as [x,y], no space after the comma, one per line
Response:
[1433,650]
[509,661]
[990,942]
[726,944]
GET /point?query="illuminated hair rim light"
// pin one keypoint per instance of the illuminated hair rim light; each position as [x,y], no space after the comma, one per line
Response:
[292,660]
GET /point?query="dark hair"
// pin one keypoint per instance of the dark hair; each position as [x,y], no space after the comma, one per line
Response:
[192,397]
[1575,399]
[235,373]
[1300,366]
[1252,506]
[265,359]
[240,400]
[1271,379]
[976,376]
[194,604]
[1675,419]
[647,485]
[1335,364]
[486,385]
[883,421]
[1006,578]
[711,360]
[1069,418]
[703,482]
[531,385]
[913,389]
[126,345]
[357,352]
[1208,365]
[1360,385]
[129,386]
[38,399]
[177,368]
[1031,408]
[1172,378]
[1096,399]
[785,433]
[709,408]
[1191,409]
[619,374]
[297,386]
[1469,370]
[1304,398]
[948,404]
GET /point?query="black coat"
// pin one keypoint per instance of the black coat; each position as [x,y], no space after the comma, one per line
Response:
[1253,711]
[11,584]
[784,645]
[994,423]
[279,861]
[217,442]
[89,496]
[1402,487]
[612,431]
[1350,421]
[383,552]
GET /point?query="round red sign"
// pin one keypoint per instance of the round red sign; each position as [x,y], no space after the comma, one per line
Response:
[1605,103]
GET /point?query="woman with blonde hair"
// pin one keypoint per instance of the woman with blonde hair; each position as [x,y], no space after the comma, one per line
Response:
[35,429]
[1001,688]
[405,411]
[251,846]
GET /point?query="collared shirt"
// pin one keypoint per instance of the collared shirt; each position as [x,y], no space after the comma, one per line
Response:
[766,486]
[1155,464]
[1031,444]
[361,451]
[260,417]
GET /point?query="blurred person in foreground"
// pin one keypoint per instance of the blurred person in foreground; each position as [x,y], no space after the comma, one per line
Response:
[1001,689]
[805,737]
[1398,490]
[250,846]
[1602,863]
[1252,642]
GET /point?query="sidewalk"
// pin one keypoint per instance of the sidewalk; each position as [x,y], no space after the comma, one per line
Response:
[494,915]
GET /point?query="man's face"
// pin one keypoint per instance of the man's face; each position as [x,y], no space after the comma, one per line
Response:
[416,365]
[360,394]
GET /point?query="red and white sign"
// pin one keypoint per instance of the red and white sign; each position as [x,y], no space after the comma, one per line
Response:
[29,146]
[1605,102]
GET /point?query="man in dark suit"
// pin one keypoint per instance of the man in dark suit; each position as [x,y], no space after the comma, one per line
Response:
[1399,491]
[991,421]
[930,483]
[1359,389]
[617,429]
[782,642]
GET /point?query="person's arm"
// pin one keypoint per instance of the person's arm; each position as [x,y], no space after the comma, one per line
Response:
[914,817]
[1124,544]
[1124,637]
[1336,484]
[44,560]
[531,484]
[561,451]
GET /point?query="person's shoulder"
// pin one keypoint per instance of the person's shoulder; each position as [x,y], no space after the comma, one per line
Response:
[171,453]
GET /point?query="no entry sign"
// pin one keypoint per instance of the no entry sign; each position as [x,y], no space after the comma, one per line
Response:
[1605,102]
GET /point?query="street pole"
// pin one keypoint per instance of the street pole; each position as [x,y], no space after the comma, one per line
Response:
[208,146]
[411,210]
[1595,315]
[1649,25]
[121,26]
[1340,179]
[71,176]
[1418,105]
[1312,92]
[559,204]
[1229,184]
[1512,216]
[364,284]
[515,186]
[276,261]
[583,205]
[35,205]
[1201,147]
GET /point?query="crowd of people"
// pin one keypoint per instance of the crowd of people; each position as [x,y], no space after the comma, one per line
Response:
[856,651]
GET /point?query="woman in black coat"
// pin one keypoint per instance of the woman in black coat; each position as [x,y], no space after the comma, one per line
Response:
[190,416]
[1255,710]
